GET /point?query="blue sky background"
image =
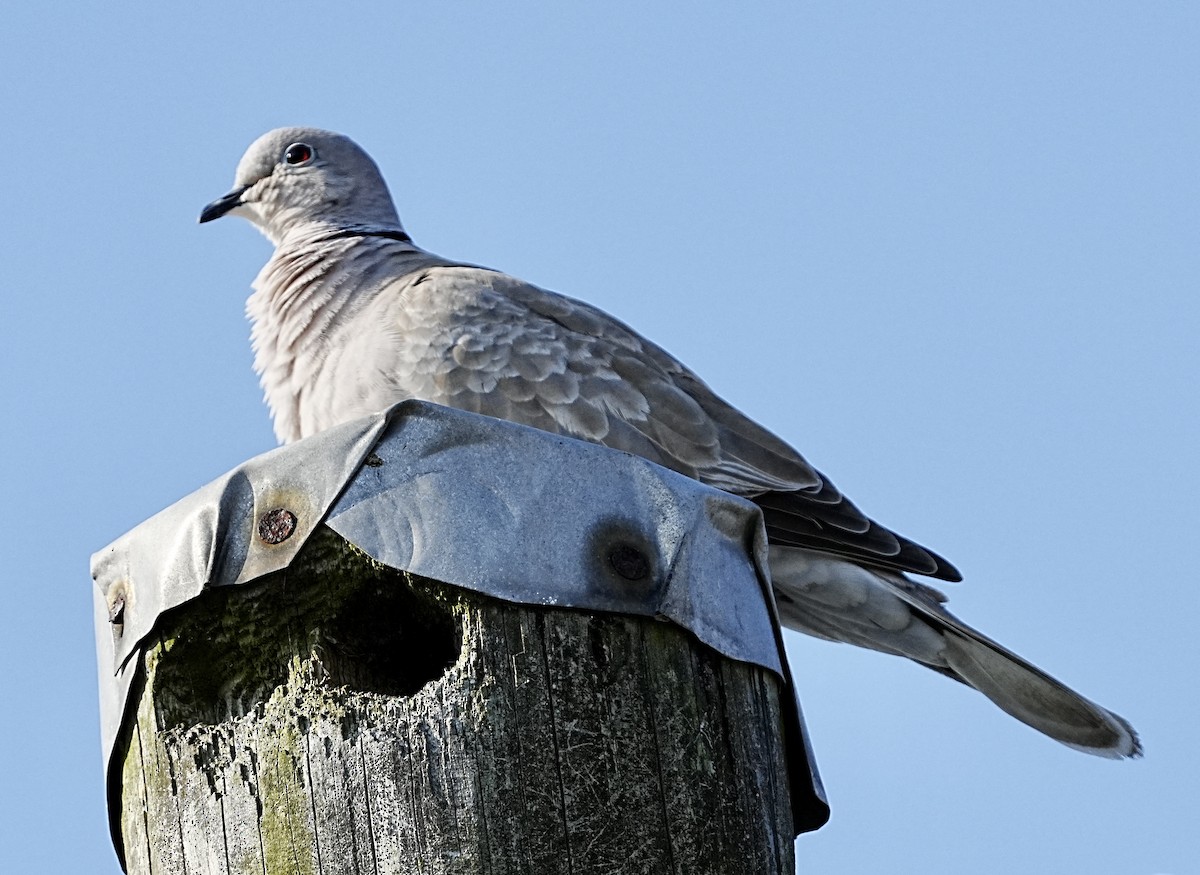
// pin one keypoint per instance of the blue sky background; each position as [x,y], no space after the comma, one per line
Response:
[949,250]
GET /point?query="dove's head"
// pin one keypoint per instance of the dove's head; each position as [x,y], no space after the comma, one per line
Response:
[303,180]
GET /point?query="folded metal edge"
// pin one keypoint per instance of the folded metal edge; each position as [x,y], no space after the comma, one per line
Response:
[254,520]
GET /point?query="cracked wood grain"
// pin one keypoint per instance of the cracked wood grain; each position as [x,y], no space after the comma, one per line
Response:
[341,717]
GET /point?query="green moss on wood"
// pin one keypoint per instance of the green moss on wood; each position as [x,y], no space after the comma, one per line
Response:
[345,717]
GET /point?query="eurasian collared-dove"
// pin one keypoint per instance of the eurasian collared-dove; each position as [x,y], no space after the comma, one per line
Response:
[350,317]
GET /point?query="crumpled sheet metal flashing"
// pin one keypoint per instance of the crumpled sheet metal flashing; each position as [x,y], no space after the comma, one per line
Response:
[488,505]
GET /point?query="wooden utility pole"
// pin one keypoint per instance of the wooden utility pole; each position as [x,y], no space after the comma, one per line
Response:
[343,717]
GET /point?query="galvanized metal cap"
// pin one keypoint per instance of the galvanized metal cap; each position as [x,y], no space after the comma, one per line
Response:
[492,506]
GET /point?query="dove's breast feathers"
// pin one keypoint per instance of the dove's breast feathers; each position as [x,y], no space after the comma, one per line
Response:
[346,327]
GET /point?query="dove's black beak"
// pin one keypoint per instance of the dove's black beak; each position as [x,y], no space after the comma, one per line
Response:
[222,205]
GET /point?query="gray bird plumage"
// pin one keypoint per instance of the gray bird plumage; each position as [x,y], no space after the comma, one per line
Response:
[350,317]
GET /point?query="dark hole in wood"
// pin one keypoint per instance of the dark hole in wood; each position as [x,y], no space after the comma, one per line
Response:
[388,639]
[334,613]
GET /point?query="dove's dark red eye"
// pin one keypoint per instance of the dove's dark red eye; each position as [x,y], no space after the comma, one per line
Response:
[298,153]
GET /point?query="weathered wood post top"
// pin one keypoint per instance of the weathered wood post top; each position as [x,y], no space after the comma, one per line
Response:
[433,641]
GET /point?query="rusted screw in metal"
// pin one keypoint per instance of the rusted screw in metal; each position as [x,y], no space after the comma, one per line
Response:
[276,526]
[117,597]
[628,561]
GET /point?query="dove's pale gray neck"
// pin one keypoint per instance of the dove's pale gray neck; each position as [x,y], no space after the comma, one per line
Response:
[311,233]
[295,225]
[305,300]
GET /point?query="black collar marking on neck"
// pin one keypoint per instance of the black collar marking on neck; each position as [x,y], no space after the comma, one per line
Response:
[390,235]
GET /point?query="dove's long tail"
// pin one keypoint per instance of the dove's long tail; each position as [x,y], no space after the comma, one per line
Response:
[886,611]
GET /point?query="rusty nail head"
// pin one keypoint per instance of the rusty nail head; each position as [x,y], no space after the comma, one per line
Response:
[628,561]
[276,526]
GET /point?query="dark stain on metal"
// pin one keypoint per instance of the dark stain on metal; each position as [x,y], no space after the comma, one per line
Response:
[628,561]
[276,526]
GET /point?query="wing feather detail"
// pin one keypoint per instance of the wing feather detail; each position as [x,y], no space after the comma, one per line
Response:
[492,344]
